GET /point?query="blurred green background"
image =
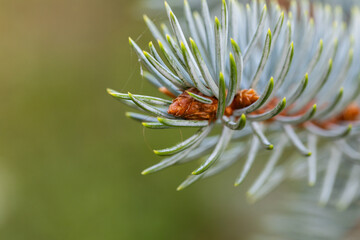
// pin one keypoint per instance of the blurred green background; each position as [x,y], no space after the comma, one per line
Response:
[70,160]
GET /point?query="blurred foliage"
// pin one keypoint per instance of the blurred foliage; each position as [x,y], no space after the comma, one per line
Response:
[70,161]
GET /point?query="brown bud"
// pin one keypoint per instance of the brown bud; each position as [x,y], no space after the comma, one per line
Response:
[350,113]
[244,98]
[186,107]
[228,111]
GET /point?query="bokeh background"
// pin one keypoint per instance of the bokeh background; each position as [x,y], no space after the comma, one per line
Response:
[70,160]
